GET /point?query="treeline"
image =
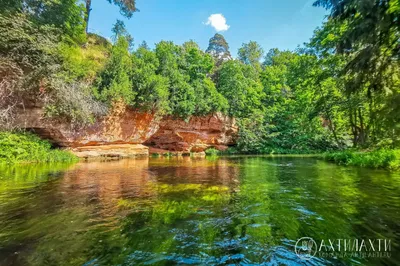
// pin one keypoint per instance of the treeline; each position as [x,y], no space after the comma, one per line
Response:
[339,90]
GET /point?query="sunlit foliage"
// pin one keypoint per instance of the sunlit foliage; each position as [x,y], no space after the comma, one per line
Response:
[28,148]
[340,90]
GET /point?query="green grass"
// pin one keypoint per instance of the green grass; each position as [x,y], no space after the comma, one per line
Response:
[86,62]
[155,155]
[168,154]
[212,152]
[384,158]
[29,148]
[270,151]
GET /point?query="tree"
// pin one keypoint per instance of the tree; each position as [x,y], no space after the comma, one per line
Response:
[240,85]
[182,99]
[67,15]
[219,49]
[127,8]
[368,35]
[199,65]
[144,45]
[270,56]
[152,89]
[251,54]
[119,30]
[303,103]
[114,82]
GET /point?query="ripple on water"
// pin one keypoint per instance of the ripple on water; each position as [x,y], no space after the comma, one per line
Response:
[239,211]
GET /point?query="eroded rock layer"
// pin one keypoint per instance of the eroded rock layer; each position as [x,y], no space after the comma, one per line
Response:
[196,135]
[121,126]
[122,132]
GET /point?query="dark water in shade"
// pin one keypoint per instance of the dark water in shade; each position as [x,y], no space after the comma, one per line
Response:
[226,211]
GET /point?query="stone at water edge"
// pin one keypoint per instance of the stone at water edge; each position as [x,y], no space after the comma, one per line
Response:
[111,151]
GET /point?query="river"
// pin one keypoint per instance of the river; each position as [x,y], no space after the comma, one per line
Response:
[194,211]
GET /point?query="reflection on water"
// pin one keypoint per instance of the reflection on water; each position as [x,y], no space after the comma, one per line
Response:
[167,211]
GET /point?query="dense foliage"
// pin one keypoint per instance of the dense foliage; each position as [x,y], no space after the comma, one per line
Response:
[340,90]
[27,148]
[389,159]
[365,34]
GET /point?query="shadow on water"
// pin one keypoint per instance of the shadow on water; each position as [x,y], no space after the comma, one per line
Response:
[167,211]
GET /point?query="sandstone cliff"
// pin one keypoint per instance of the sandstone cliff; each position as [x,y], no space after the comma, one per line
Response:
[121,126]
[196,135]
[123,132]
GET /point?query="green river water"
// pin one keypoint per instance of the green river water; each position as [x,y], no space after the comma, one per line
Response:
[188,211]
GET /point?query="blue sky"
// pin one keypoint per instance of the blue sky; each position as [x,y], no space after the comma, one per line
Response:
[282,24]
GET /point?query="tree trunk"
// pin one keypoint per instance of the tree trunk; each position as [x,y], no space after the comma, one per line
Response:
[333,130]
[331,127]
[363,130]
[354,127]
[88,9]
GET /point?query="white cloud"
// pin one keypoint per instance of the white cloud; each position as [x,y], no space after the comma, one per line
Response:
[218,22]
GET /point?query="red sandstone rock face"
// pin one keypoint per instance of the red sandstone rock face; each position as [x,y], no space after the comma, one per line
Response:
[127,126]
[197,135]
[121,126]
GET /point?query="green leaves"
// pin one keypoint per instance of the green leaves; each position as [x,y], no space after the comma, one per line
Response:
[27,44]
[218,48]
[127,7]
[364,36]
[190,90]
[340,89]
[66,15]
[383,158]
[251,54]
[237,84]
[151,88]
[26,148]
[114,82]
[367,32]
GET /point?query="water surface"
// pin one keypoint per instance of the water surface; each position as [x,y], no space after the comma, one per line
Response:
[168,211]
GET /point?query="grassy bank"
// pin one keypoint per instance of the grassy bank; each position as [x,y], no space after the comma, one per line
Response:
[387,159]
[277,151]
[383,158]
[28,148]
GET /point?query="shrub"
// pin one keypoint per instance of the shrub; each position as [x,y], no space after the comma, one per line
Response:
[10,78]
[389,159]
[27,148]
[30,46]
[212,152]
[231,151]
[87,61]
[72,101]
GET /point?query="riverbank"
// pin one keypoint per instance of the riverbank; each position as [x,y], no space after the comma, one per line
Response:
[29,148]
[379,159]
[384,158]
